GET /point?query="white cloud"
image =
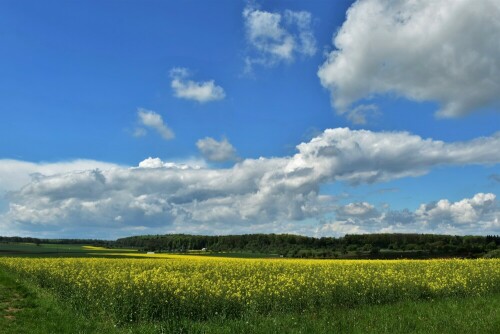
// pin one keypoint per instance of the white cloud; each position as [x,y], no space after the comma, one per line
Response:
[359,114]
[275,37]
[477,215]
[361,210]
[139,132]
[365,157]
[467,211]
[202,92]
[306,41]
[153,120]
[14,173]
[444,51]
[158,163]
[268,193]
[217,151]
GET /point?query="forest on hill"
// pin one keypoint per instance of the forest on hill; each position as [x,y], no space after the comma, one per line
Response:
[380,246]
[386,245]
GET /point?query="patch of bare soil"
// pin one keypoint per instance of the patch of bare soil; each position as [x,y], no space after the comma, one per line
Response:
[7,306]
[13,309]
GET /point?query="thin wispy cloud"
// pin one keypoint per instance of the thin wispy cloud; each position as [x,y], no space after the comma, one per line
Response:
[360,114]
[216,151]
[152,120]
[277,37]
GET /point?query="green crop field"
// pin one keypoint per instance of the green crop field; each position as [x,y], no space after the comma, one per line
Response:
[54,250]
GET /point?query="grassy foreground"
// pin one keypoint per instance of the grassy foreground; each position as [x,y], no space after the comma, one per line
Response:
[25,308]
[453,315]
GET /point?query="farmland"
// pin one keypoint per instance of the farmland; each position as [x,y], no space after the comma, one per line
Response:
[179,288]
[26,249]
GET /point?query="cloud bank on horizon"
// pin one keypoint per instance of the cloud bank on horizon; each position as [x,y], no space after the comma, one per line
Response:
[196,180]
[467,216]
[262,192]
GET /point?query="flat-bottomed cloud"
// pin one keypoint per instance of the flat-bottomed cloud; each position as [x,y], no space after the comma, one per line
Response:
[443,51]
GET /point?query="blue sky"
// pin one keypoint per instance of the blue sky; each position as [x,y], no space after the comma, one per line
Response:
[395,104]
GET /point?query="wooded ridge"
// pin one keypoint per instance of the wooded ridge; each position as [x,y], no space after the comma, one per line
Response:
[383,245]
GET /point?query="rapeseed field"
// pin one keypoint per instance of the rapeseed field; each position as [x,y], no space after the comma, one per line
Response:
[200,287]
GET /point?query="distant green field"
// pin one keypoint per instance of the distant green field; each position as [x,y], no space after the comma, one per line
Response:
[23,249]
[51,250]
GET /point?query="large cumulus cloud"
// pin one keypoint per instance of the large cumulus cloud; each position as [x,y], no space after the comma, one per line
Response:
[166,196]
[444,51]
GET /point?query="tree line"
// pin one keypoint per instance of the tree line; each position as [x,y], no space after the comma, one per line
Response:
[38,241]
[385,245]
[380,245]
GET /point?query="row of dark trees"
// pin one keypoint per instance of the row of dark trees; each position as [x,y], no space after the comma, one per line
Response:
[386,245]
[38,241]
[362,245]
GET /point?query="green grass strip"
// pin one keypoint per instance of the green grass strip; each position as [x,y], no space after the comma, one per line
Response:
[27,309]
